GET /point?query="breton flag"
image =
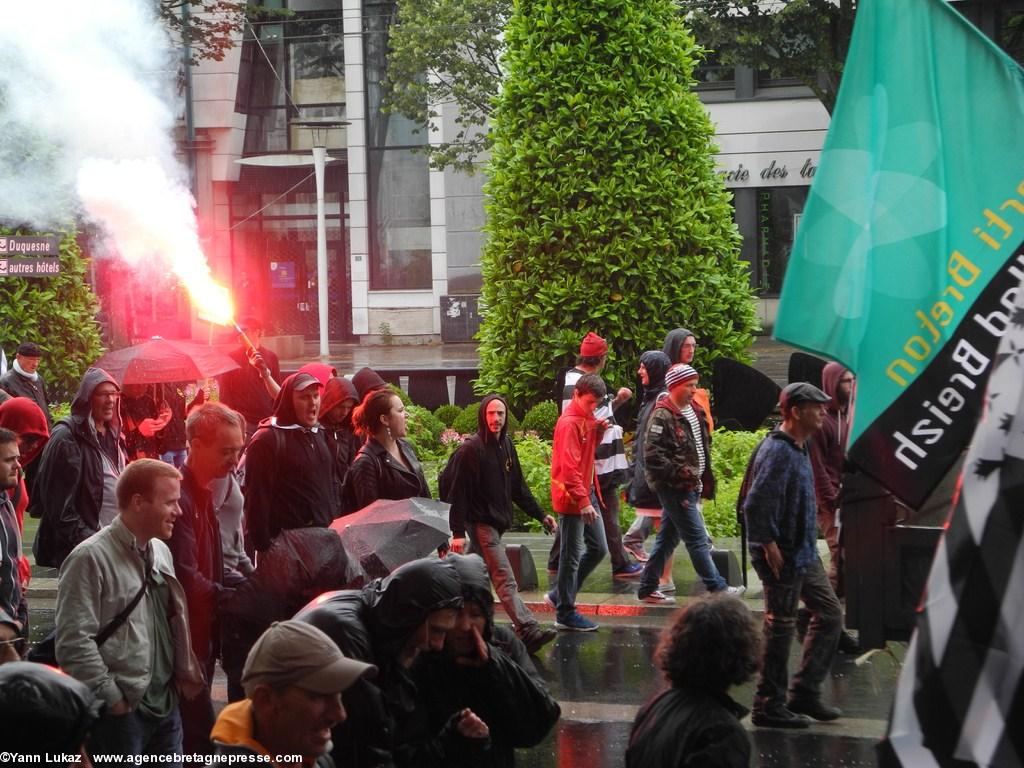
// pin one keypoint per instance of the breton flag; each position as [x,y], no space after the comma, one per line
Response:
[960,699]
[909,252]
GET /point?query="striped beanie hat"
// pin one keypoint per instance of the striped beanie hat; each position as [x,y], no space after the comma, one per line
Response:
[678,374]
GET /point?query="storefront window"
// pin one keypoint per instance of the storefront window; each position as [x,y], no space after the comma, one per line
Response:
[778,214]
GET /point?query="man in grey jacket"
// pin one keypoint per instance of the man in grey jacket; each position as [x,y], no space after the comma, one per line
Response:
[148,661]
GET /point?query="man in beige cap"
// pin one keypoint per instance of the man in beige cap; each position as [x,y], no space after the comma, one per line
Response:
[293,679]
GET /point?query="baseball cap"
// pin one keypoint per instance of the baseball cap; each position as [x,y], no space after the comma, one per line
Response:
[30,349]
[305,381]
[295,653]
[679,373]
[801,392]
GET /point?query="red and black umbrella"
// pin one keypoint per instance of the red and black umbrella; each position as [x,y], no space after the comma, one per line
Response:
[160,361]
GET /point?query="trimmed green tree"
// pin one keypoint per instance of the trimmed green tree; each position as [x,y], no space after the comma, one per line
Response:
[58,313]
[605,212]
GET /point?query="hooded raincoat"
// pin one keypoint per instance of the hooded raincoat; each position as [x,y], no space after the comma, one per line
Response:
[289,474]
[374,625]
[23,417]
[69,483]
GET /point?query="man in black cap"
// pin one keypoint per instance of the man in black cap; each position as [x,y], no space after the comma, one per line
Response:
[781,513]
[23,379]
[289,477]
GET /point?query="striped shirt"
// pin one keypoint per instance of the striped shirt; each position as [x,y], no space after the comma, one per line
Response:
[611,452]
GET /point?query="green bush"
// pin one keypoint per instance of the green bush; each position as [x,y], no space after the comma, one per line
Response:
[58,313]
[730,452]
[535,459]
[424,432]
[541,419]
[447,413]
[466,423]
[605,211]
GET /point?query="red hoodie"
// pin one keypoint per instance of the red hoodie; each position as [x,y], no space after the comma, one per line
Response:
[23,417]
[572,459]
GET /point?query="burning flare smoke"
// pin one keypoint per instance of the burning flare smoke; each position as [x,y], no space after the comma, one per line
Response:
[87,107]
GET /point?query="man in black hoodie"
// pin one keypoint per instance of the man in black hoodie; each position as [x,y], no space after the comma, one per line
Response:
[290,480]
[78,470]
[488,479]
[388,623]
[484,668]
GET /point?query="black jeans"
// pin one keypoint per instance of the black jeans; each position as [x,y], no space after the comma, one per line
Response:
[781,600]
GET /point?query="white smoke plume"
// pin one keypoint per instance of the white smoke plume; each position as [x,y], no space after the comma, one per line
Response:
[87,109]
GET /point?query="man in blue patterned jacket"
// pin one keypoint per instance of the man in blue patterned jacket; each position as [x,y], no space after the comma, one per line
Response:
[781,513]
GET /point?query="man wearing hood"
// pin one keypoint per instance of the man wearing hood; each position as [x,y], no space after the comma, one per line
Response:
[75,484]
[653,367]
[827,450]
[484,669]
[388,623]
[25,419]
[336,407]
[681,346]
[489,479]
[289,474]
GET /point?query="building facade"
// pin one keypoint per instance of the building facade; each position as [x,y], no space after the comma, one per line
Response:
[403,241]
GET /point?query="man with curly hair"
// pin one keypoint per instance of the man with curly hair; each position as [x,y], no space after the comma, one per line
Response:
[712,644]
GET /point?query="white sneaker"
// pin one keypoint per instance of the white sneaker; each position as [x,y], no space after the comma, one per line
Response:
[738,591]
[658,598]
[667,587]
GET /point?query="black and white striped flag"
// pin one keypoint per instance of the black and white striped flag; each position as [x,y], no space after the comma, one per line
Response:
[960,699]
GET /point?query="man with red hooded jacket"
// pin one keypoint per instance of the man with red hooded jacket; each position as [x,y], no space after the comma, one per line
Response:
[583,543]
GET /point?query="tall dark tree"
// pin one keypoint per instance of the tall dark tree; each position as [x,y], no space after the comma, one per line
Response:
[605,212]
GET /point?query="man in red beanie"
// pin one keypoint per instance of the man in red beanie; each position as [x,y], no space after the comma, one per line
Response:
[611,465]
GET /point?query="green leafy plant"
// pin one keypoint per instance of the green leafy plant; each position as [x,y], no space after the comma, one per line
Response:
[730,452]
[447,413]
[424,432]
[541,419]
[535,459]
[605,210]
[386,337]
[466,422]
[58,313]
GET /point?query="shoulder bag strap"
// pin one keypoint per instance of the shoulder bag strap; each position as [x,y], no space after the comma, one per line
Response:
[122,617]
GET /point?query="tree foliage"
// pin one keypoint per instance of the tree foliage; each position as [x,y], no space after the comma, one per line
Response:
[804,39]
[605,212]
[58,313]
[448,52]
[208,27]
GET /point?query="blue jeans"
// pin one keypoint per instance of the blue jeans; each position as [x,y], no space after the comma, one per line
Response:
[583,546]
[681,519]
[137,734]
[487,542]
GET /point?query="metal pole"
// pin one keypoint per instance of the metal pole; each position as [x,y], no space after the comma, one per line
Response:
[319,161]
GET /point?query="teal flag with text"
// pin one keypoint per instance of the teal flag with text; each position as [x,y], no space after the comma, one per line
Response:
[909,253]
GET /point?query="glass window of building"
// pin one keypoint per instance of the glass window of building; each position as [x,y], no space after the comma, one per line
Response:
[398,181]
[778,214]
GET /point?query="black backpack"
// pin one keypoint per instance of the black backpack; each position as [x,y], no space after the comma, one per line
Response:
[448,479]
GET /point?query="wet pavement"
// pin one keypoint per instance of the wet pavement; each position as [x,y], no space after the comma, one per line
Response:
[602,678]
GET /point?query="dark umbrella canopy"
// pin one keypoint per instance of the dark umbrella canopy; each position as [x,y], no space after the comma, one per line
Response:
[158,361]
[391,532]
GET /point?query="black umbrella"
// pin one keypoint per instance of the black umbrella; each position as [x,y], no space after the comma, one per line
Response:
[299,565]
[391,532]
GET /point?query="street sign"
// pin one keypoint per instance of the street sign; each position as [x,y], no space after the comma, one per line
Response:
[47,245]
[39,267]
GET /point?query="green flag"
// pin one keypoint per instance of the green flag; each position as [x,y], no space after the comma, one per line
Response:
[908,255]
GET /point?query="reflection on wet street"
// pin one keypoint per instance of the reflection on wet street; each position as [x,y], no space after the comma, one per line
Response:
[601,679]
